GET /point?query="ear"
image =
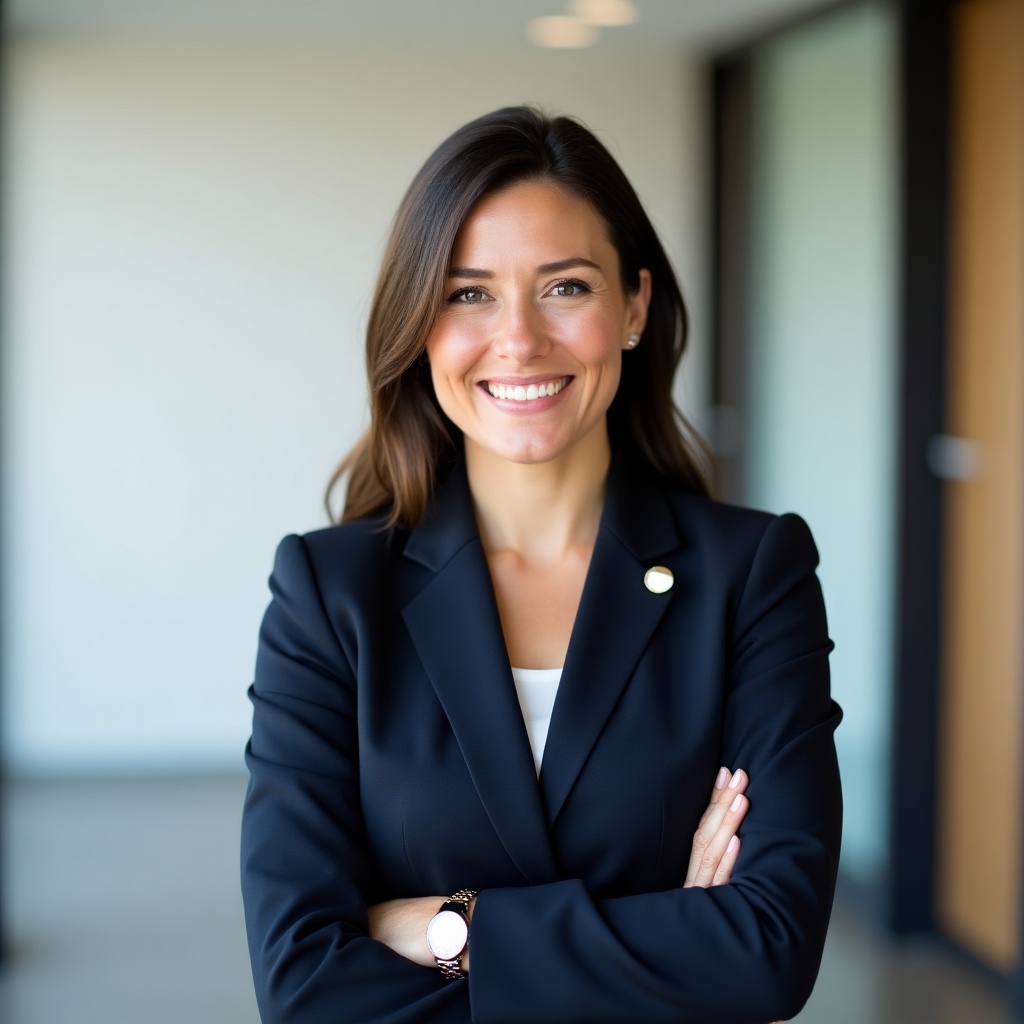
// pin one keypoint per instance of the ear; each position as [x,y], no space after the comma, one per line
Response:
[637,304]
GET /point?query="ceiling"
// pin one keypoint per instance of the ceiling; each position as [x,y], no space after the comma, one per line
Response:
[397,24]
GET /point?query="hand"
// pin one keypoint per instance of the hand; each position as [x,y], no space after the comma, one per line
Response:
[402,926]
[715,843]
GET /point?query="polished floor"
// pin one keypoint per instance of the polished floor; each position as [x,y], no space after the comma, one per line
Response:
[122,907]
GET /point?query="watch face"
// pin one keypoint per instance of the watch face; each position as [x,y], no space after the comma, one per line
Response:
[447,934]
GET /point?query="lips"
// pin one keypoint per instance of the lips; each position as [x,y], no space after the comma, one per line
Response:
[527,392]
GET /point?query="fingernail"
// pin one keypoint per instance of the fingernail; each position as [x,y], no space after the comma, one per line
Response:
[723,774]
[737,803]
[733,843]
[734,781]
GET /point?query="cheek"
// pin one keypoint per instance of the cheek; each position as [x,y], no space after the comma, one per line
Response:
[595,339]
[601,350]
[451,359]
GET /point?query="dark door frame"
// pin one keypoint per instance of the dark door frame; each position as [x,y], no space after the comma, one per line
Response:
[924,75]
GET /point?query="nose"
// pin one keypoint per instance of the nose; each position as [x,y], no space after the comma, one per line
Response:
[521,334]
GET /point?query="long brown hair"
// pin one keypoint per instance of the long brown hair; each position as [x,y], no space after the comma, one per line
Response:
[410,444]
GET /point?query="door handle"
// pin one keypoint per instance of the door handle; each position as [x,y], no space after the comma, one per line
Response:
[954,458]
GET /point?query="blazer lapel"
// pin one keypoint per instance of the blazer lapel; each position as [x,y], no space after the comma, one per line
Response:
[456,631]
[616,619]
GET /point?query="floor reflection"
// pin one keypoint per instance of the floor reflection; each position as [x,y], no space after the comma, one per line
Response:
[123,908]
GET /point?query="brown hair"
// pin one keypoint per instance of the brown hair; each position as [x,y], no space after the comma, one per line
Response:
[410,444]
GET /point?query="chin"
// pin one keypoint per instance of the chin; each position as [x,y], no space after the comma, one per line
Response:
[532,457]
[532,447]
[535,453]
[526,453]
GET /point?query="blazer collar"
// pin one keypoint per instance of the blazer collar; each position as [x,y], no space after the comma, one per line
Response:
[616,619]
[448,525]
[637,512]
[456,630]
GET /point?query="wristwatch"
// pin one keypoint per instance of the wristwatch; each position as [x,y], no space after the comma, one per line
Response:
[448,933]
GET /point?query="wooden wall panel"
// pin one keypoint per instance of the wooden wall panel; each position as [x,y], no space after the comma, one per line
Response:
[980,775]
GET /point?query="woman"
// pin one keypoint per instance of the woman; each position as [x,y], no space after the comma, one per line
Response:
[526,518]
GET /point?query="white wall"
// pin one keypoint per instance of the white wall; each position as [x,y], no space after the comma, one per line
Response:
[192,236]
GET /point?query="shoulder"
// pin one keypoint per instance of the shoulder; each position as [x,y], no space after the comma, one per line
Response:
[345,557]
[358,539]
[732,531]
[713,542]
[747,558]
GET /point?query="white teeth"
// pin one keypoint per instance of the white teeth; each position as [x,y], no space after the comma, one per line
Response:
[518,393]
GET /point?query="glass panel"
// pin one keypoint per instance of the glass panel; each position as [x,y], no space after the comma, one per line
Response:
[823,358]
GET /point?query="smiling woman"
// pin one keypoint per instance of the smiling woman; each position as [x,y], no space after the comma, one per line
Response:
[515,670]
[410,445]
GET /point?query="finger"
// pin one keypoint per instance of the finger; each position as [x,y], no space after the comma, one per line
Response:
[727,786]
[723,779]
[728,862]
[738,782]
[708,824]
[708,851]
[707,864]
[721,800]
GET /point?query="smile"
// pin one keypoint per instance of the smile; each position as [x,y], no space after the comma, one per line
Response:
[528,392]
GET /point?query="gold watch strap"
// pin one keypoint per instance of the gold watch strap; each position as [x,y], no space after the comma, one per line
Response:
[463,896]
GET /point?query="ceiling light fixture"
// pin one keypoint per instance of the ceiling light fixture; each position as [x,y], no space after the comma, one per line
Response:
[561,31]
[610,13]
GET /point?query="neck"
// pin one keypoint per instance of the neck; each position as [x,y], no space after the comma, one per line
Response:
[540,511]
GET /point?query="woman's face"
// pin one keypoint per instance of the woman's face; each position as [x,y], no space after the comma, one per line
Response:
[527,353]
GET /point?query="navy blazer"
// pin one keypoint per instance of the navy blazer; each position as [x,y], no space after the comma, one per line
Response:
[389,758]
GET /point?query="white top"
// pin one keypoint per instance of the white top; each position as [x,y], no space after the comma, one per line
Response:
[537,688]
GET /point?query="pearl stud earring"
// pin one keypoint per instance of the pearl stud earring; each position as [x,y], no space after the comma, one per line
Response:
[634,340]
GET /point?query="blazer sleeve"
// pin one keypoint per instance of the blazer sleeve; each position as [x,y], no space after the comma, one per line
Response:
[305,871]
[748,951]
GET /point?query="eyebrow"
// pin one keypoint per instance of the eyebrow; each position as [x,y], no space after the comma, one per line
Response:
[545,268]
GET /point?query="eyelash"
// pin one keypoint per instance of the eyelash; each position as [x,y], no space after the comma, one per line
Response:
[582,287]
[460,293]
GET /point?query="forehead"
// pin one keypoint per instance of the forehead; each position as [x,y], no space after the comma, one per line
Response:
[533,215]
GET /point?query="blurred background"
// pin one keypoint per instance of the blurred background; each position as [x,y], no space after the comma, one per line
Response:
[196,196]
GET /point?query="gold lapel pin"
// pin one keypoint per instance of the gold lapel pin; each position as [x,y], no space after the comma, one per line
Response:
[658,579]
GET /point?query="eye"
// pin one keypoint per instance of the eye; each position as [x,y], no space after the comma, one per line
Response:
[468,295]
[569,288]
